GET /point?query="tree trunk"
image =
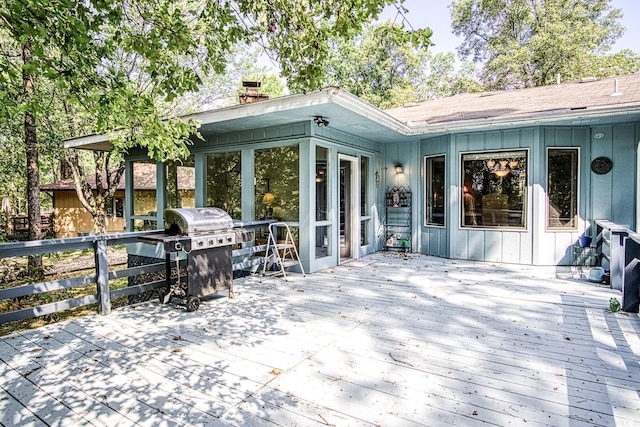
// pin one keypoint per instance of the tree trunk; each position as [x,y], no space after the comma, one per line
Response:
[33,169]
[107,178]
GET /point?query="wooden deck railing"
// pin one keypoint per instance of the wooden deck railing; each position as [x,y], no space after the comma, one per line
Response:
[100,277]
[618,250]
[243,258]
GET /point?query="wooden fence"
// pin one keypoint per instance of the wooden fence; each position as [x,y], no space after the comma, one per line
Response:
[101,275]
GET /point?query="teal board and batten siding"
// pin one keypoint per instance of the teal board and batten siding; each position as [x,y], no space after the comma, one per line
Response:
[434,240]
[612,196]
[493,245]
[407,155]
[555,247]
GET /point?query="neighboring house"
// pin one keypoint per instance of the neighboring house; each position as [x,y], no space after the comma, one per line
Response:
[515,176]
[71,219]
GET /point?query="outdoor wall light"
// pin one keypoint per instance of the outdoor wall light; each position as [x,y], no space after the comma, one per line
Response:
[321,121]
[398,168]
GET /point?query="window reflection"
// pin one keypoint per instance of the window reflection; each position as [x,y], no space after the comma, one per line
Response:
[364,186]
[494,189]
[323,247]
[562,188]
[181,184]
[277,183]
[435,190]
[224,182]
[321,183]
[144,195]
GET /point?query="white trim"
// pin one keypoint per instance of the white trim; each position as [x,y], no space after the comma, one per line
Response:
[354,206]
[424,183]
[527,199]
[546,192]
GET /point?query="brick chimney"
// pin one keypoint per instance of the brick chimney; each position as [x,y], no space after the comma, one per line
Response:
[251,93]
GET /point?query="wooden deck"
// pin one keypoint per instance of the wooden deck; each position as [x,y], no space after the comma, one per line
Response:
[389,341]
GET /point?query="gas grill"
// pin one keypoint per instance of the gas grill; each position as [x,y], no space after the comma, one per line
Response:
[206,235]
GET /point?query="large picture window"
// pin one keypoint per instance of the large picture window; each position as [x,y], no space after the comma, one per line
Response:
[494,189]
[434,190]
[562,188]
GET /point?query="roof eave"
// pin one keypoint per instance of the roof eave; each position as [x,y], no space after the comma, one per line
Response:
[577,117]
[327,95]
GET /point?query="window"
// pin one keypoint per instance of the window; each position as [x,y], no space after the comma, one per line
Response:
[114,207]
[322,195]
[181,184]
[224,182]
[435,201]
[145,212]
[323,232]
[494,189]
[562,188]
[364,186]
[365,211]
[277,174]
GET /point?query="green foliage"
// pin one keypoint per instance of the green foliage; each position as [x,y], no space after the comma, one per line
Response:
[387,68]
[121,62]
[441,78]
[383,66]
[526,43]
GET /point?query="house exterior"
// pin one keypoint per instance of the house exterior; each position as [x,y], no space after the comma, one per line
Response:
[514,176]
[71,219]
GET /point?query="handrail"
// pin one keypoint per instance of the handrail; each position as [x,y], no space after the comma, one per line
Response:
[618,248]
[101,276]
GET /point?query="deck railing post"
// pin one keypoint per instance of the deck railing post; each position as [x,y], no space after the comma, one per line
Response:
[631,277]
[617,258]
[102,277]
[599,241]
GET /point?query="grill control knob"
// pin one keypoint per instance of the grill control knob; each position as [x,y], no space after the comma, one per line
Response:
[220,241]
[200,243]
[211,242]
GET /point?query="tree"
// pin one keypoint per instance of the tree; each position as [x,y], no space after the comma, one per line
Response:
[441,78]
[114,61]
[382,66]
[525,43]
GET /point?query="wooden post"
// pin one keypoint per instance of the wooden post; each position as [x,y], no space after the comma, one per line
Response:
[617,257]
[631,277]
[102,277]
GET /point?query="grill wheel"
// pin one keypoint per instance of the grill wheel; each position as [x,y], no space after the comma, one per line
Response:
[193,303]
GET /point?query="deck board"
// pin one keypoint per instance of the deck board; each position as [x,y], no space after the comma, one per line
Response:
[403,341]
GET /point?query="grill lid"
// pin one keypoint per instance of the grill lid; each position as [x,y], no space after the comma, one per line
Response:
[189,221]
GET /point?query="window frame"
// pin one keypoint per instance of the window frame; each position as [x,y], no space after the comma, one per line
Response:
[426,222]
[547,191]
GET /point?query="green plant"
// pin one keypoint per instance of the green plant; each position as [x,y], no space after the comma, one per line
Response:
[614,305]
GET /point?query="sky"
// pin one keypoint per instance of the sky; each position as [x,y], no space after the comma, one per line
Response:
[435,15]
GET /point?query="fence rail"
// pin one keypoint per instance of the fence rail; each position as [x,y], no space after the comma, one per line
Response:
[618,250]
[101,275]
